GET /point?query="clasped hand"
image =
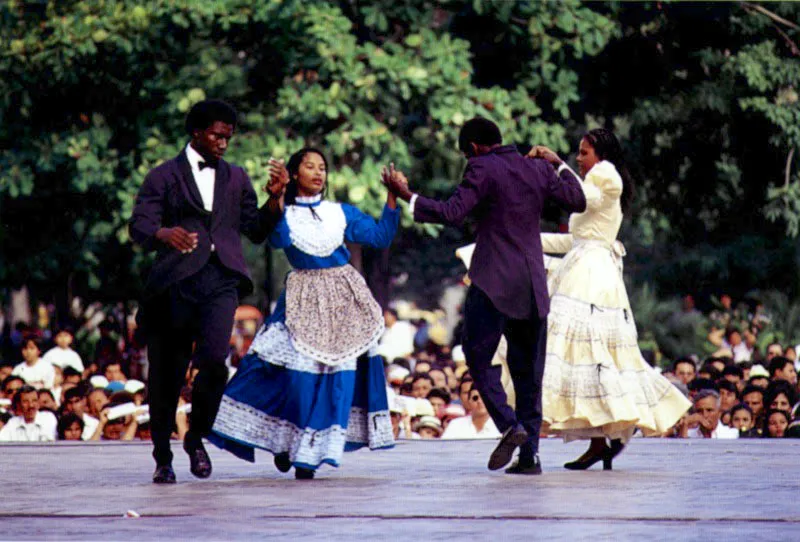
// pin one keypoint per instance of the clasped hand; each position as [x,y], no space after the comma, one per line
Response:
[396,182]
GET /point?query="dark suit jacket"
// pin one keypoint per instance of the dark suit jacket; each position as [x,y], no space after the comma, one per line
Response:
[506,193]
[169,197]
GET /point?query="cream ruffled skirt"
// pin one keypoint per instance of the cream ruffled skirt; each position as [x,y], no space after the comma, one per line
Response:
[596,383]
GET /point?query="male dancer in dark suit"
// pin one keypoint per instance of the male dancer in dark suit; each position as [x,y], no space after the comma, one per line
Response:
[505,192]
[192,210]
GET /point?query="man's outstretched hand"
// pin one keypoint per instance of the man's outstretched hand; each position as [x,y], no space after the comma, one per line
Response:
[396,182]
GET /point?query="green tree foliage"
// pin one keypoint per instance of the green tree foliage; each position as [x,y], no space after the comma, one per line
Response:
[93,94]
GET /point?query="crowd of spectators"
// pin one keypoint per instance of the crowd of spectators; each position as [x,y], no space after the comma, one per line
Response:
[54,389]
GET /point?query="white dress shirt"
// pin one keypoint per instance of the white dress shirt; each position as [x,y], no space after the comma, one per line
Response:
[463,428]
[40,375]
[721,431]
[43,428]
[204,179]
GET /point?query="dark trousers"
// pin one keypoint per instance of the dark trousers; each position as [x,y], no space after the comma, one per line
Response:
[198,311]
[527,342]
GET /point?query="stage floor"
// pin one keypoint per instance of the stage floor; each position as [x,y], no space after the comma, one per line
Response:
[421,490]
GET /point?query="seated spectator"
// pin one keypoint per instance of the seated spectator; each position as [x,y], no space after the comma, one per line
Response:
[759,376]
[709,371]
[29,425]
[6,368]
[477,425]
[734,374]
[116,428]
[685,370]
[421,386]
[707,413]
[781,368]
[464,387]
[75,402]
[775,424]
[439,398]
[780,395]
[47,401]
[439,379]
[34,370]
[742,420]
[114,373]
[11,385]
[71,376]
[699,384]
[753,397]
[728,395]
[428,427]
[773,350]
[70,427]
[452,412]
[95,401]
[62,355]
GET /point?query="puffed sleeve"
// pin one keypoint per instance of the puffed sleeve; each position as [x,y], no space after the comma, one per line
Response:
[363,229]
[557,243]
[601,183]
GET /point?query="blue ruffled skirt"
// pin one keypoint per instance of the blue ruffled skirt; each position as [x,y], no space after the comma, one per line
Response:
[282,401]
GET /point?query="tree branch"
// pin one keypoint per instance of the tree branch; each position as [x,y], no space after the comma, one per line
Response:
[774,16]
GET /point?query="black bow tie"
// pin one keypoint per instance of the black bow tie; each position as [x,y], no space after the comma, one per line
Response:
[203,165]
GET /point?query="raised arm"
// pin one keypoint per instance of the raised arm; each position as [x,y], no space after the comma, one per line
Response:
[363,229]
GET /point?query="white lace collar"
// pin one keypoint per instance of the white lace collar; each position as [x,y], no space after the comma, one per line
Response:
[318,235]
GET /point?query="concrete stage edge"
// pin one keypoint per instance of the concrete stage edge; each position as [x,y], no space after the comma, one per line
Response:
[421,490]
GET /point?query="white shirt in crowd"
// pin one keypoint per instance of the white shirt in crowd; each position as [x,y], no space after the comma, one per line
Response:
[64,357]
[90,424]
[43,428]
[397,341]
[463,428]
[722,431]
[39,375]
[204,178]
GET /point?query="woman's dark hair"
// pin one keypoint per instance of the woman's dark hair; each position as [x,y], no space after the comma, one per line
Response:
[741,406]
[765,428]
[606,146]
[441,393]
[293,167]
[204,114]
[777,387]
[66,422]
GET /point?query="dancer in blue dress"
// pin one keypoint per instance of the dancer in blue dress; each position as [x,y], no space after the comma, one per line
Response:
[311,385]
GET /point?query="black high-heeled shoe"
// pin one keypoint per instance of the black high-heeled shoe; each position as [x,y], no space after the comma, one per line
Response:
[611,452]
[594,454]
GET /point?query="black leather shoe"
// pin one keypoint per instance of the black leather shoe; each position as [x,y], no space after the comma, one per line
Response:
[502,455]
[282,462]
[164,475]
[303,474]
[520,467]
[200,463]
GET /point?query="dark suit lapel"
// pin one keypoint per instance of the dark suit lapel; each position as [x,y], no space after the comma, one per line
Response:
[188,182]
[221,181]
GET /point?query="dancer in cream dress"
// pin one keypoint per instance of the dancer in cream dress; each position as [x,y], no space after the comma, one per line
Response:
[596,384]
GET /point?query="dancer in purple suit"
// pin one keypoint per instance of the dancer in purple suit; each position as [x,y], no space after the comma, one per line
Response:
[192,210]
[505,192]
